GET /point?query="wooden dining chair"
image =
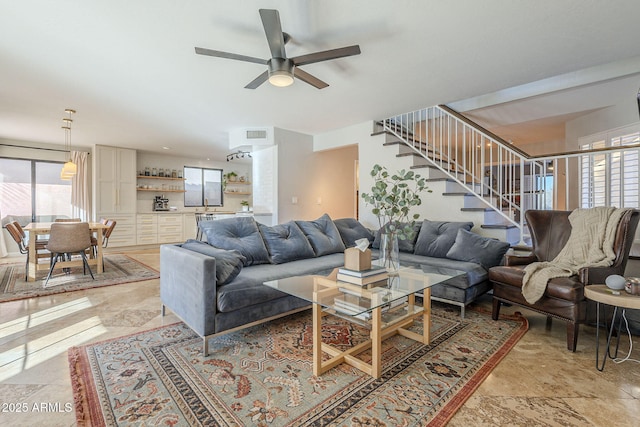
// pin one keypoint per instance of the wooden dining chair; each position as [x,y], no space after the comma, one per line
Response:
[106,233]
[67,238]
[18,234]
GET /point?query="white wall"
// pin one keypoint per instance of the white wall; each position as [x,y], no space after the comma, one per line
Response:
[295,162]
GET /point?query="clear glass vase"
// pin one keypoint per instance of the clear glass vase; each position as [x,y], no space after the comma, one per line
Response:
[389,252]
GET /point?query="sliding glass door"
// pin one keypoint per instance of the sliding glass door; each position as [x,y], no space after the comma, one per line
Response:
[31,190]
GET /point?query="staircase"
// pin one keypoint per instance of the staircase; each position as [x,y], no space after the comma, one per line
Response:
[489,180]
[458,197]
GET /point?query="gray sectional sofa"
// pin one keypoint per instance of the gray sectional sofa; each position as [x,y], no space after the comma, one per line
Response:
[217,286]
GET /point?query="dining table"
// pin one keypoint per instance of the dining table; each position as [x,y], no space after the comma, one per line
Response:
[36,229]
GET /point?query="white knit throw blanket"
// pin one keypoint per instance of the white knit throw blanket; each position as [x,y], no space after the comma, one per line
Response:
[593,232]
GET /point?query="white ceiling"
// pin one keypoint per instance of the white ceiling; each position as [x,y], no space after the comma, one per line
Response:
[130,70]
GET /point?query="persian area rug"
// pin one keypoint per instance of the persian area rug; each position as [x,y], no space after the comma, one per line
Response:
[118,269]
[262,376]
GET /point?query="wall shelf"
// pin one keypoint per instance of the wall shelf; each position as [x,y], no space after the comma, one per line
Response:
[159,190]
[160,177]
[239,193]
[238,183]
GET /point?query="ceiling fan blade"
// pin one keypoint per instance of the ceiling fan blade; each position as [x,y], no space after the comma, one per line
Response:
[258,81]
[227,55]
[326,55]
[308,78]
[273,31]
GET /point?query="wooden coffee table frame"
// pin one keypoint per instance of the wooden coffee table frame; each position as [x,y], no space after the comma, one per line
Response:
[377,335]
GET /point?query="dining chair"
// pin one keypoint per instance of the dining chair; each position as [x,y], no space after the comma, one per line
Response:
[18,234]
[68,238]
[67,220]
[106,233]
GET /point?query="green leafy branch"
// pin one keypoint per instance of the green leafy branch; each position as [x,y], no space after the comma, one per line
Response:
[393,196]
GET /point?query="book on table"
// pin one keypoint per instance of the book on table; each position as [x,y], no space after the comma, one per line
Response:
[362,280]
[375,270]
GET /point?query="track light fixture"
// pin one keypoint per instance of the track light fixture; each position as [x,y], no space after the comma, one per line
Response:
[238,155]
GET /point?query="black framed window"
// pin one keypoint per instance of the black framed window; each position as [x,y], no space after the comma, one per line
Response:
[203,186]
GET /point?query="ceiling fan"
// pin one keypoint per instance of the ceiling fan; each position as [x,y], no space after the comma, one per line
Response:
[281,70]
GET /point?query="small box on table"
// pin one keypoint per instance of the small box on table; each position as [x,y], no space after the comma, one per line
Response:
[355,259]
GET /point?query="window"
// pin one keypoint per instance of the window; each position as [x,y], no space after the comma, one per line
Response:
[32,190]
[611,178]
[202,187]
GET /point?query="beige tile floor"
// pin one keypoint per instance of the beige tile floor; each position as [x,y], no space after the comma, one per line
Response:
[538,383]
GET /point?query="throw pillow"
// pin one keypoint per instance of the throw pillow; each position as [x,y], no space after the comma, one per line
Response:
[228,263]
[437,237]
[351,230]
[286,242]
[323,235]
[406,245]
[471,247]
[241,234]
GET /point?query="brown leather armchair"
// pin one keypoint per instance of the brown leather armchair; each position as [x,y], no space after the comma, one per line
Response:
[564,297]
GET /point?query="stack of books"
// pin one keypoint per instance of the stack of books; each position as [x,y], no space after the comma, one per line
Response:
[352,305]
[365,278]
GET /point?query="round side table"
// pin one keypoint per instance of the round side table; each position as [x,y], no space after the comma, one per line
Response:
[602,294]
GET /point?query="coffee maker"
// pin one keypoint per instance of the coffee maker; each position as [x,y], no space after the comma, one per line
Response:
[160,203]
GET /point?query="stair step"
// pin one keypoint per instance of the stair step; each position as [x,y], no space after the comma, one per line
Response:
[463,193]
[498,226]
[440,180]
[381,132]
[523,248]
[476,210]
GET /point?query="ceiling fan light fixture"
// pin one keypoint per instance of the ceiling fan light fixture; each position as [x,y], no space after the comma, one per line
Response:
[280,79]
[280,72]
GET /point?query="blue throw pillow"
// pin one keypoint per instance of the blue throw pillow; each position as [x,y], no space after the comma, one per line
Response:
[351,230]
[472,247]
[286,242]
[228,263]
[323,235]
[241,234]
[437,237]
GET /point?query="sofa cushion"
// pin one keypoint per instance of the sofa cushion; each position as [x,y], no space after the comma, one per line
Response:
[286,242]
[239,233]
[471,247]
[476,273]
[248,289]
[228,263]
[323,235]
[350,230]
[437,237]
[406,245]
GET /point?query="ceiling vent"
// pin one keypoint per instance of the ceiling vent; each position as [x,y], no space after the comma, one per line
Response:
[256,134]
[248,137]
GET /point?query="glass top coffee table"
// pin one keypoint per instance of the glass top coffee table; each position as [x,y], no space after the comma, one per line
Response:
[386,309]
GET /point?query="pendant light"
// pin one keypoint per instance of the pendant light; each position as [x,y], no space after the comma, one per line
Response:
[69,169]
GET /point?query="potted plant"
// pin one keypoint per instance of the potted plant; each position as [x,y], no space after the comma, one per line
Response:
[228,177]
[245,205]
[392,197]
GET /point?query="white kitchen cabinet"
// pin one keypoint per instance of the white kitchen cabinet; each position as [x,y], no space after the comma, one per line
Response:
[115,180]
[114,189]
[189,227]
[159,228]
[124,233]
[147,229]
[170,228]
